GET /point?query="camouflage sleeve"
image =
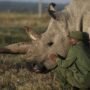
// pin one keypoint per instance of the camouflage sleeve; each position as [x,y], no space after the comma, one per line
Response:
[71,58]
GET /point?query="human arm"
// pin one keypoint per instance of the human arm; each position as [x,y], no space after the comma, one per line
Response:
[71,58]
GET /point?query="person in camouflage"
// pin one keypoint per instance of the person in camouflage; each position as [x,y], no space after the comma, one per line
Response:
[75,69]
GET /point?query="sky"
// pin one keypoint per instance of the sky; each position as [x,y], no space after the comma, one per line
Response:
[56,1]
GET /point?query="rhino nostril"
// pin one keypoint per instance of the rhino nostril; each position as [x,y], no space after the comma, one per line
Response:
[50,43]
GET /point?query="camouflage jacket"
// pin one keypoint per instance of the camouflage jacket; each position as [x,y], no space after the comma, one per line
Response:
[76,67]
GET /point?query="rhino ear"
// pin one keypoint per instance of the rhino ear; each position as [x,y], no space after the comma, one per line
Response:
[52,10]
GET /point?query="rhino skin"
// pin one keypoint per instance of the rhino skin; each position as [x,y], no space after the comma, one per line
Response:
[74,17]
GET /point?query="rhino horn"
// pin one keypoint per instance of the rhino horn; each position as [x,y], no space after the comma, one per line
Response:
[31,33]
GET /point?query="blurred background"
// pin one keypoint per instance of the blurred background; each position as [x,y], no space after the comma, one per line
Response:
[15,14]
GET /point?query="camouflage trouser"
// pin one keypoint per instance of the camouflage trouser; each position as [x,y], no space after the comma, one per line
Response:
[64,85]
[64,82]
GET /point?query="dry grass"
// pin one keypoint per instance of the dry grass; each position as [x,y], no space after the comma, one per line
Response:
[12,24]
[15,73]
[22,19]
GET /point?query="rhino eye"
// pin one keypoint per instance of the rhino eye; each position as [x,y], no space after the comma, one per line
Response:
[50,43]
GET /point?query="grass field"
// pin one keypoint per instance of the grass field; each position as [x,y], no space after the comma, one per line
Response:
[12,26]
[15,73]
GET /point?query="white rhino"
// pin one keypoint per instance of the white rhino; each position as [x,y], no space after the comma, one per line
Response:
[75,16]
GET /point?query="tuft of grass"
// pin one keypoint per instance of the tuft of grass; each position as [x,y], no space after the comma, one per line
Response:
[13,35]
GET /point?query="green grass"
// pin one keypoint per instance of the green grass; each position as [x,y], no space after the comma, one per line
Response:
[12,35]
[9,35]
[12,24]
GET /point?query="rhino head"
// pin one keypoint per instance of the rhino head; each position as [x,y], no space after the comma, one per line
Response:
[55,39]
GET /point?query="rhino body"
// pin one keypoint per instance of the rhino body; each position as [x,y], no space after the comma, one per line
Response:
[75,16]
